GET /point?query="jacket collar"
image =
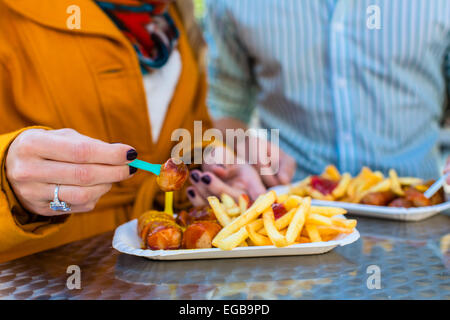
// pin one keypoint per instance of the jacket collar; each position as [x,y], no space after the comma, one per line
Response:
[55,14]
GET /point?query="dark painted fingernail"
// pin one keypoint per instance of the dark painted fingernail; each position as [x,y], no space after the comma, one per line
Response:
[133,170]
[195,176]
[132,155]
[206,179]
[191,193]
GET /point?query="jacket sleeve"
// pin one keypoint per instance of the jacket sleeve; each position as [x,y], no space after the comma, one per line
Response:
[16,224]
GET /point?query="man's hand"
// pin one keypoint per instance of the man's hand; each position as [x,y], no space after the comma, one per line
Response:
[273,164]
[38,160]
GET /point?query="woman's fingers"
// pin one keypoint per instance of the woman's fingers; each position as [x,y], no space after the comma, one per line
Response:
[38,159]
[204,184]
[67,145]
[54,172]
[201,186]
[222,171]
[44,210]
[82,199]
[216,186]
[77,196]
[195,198]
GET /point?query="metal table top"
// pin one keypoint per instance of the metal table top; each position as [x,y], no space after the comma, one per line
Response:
[413,261]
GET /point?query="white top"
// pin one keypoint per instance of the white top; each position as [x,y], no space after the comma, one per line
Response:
[159,89]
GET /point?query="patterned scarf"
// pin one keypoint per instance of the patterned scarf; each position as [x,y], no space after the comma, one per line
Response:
[148,26]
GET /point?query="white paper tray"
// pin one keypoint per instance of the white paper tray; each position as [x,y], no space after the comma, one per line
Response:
[127,241]
[364,210]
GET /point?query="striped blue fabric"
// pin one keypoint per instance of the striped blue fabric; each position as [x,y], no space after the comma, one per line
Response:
[340,91]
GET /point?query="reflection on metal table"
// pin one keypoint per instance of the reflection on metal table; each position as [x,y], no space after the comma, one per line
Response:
[413,260]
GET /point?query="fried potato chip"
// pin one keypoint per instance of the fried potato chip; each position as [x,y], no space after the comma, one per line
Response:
[243,244]
[227,201]
[329,237]
[331,173]
[395,183]
[409,181]
[313,193]
[313,233]
[300,188]
[379,174]
[365,179]
[328,211]
[258,239]
[282,198]
[298,220]
[318,219]
[421,187]
[302,239]
[293,201]
[344,223]
[341,188]
[256,224]
[233,240]
[260,205]
[333,229]
[281,222]
[235,211]
[274,235]
[219,211]
[243,202]
[381,186]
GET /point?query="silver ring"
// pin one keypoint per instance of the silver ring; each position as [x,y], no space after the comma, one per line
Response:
[56,204]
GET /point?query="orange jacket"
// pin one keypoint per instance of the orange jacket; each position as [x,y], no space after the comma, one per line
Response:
[89,80]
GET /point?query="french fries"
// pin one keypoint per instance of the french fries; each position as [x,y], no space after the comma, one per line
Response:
[332,173]
[269,224]
[368,187]
[297,222]
[341,188]
[395,183]
[257,238]
[232,209]
[313,233]
[257,226]
[219,211]
[243,202]
[328,211]
[261,204]
[233,240]
[317,219]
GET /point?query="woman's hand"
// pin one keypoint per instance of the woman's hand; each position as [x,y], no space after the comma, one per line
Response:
[233,180]
[38,160]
